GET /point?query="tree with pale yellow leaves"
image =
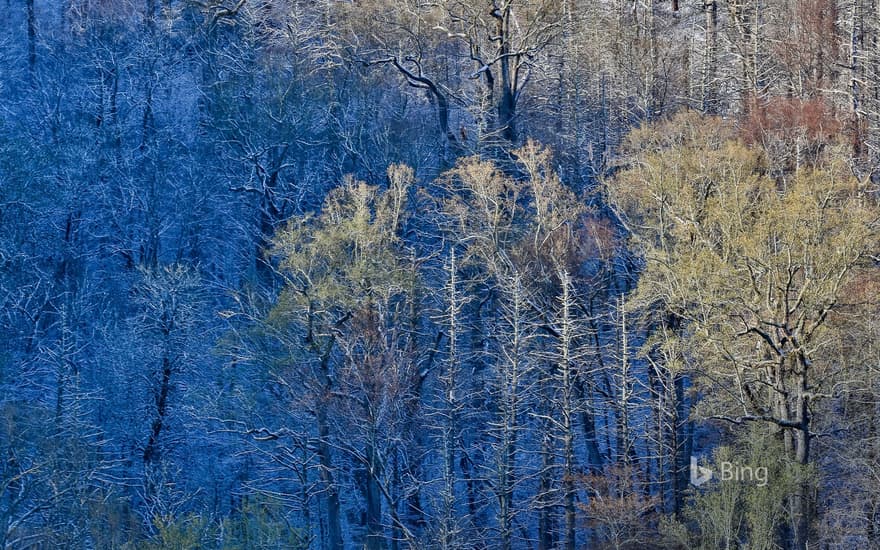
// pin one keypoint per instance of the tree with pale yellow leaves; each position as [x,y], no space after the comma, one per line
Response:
[756,267]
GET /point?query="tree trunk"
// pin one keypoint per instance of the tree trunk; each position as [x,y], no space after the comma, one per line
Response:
[546,540]
[325,457]
[802,501]
[373,501]
[710,58]
[448,527]
[151,451]
[334,524]
[507,103]
[681,445]
[588,425]
[567,412]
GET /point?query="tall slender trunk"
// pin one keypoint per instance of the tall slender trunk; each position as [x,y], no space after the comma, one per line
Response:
[510,372]
[588,418]
[625,448]
[710,59]
[325,458]
[334,523]
[802,499]
[857,79]
[567,412]
[546,528]
[652,98]
[414,512]
[681,444]
[373,495]
[448,527]
[151,451]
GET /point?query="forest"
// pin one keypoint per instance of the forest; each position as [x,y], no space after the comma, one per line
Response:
[439,274]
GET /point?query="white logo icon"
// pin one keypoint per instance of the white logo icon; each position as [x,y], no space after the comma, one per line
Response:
[699,474]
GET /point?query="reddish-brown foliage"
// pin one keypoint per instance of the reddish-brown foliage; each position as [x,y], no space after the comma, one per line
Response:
[789,119]
[793,132]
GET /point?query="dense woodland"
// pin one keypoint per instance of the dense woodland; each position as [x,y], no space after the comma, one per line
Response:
[439,274]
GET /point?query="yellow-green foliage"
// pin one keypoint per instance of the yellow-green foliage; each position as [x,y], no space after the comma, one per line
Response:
[732,250]
[186,533]
[533,222]
[746,512]
[751,265]
[261,525]
[349,253]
